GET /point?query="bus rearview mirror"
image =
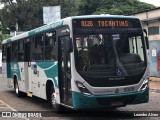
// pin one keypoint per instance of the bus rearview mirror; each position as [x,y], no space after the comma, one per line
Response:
[146,38]
[147,42]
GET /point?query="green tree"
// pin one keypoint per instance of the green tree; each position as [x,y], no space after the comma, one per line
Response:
[28,14]
[119,7]
[69,8]
[88,6]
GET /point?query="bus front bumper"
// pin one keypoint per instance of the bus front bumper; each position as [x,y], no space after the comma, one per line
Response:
[82,101]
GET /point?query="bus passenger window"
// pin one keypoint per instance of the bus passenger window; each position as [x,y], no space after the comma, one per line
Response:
[20,51]
[50,41]
[38,51]
[14,51]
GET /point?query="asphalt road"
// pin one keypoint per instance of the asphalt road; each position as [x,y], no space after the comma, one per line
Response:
[9,102]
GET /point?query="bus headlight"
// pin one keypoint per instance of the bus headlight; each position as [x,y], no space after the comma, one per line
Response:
[144,85]
[82,88]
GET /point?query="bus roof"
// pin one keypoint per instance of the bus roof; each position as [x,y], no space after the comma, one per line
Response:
[34,31]
[103,16]
[58,24]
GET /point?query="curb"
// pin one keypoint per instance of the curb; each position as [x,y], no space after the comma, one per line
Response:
[154,79]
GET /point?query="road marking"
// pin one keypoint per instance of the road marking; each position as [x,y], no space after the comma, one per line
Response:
[11,108]
[8,106]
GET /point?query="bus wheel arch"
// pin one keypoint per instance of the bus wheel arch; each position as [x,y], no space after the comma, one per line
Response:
[14,81]
[49,84]
[51,96]
[16,87]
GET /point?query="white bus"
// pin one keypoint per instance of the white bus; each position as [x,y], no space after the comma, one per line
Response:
[0,61]
[81,62]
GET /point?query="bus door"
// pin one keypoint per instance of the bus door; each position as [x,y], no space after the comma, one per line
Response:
[8,64]
[27,67]
[64,72]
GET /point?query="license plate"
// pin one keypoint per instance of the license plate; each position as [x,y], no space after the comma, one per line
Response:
[118,103]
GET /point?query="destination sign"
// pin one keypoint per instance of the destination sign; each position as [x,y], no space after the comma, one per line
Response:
[106,23]
[101,23]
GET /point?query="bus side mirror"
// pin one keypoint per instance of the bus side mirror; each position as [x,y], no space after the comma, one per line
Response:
[69,47]
[146,38]
[147,42]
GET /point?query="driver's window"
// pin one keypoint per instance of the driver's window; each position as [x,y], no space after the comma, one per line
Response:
[135,46]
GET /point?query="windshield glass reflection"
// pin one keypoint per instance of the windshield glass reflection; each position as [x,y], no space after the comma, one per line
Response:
[109,54]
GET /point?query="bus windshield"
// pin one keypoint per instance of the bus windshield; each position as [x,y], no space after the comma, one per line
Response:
[110,54]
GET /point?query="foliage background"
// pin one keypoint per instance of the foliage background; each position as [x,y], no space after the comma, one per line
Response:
[28,14]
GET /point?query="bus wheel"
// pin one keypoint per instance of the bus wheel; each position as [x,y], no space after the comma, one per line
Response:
[55,107]
[18,93]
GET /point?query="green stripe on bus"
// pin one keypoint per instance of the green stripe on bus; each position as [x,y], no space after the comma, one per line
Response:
[13,69]
[50,69]
[81,101]
[45,28]
[7,41]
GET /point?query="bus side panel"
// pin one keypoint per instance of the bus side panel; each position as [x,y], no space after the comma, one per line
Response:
[41,72]
[21,80]
[4,70]
[5,73]
[37,78]
[13,70]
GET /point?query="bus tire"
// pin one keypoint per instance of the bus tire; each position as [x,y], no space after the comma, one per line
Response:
[16,88]
[55,106]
